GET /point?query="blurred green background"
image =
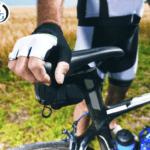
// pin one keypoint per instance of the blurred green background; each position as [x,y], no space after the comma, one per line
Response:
[20,114]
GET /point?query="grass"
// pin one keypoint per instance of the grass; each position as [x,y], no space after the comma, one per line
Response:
[20,113]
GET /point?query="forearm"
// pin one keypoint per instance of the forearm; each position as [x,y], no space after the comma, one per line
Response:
[50,11]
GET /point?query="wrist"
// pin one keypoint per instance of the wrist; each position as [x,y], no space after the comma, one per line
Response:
[51,21]
[49,28]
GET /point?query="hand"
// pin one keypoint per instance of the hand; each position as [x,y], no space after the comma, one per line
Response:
[60,72]
[30,52]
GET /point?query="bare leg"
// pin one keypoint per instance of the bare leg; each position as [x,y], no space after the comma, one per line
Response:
[83,124]
[115,95]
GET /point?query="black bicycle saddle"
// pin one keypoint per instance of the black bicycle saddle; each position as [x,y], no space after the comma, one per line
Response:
[84,57]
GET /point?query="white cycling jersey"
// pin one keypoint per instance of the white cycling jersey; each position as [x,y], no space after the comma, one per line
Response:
[111,23]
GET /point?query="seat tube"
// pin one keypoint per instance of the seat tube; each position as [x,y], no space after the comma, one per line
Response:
[97,111]
[94,101]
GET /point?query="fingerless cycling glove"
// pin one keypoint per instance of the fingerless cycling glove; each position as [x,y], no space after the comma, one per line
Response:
[62,49]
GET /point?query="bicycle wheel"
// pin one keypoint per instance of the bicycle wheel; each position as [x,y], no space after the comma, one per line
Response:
[51,145]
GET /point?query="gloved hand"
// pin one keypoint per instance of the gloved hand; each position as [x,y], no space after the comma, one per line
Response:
[28,56]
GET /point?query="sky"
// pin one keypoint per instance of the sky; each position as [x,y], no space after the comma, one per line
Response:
[67,3]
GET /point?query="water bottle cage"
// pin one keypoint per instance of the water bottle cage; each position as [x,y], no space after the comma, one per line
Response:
[145,138]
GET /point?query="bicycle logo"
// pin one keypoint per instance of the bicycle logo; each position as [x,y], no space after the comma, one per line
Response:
[4,12]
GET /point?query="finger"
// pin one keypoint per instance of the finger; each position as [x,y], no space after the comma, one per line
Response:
[60,72]
[22,70]
[36,65]
[12,64]
[25,46]
[14,54]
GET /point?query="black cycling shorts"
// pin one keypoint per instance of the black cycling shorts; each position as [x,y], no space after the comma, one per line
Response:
[121,70]
[111,23]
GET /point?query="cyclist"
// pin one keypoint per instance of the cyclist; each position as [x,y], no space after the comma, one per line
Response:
[110,23]
[101,23]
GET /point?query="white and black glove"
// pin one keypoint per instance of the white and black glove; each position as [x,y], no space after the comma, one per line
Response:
[44,37]
[29,54]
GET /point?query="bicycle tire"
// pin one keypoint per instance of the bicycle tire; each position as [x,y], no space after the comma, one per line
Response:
[50,145]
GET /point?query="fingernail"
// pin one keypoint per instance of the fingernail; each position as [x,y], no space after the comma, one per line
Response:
[48,84]
[62,78]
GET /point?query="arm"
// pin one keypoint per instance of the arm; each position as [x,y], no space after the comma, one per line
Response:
[50,11]
[32,68]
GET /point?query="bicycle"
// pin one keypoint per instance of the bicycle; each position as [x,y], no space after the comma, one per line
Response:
[100,114]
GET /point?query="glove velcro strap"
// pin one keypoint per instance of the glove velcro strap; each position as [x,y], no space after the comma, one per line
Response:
[49,28]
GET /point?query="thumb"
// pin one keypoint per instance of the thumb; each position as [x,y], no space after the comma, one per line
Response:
[60,72]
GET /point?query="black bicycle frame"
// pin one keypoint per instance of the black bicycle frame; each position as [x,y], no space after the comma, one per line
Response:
[102,115]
